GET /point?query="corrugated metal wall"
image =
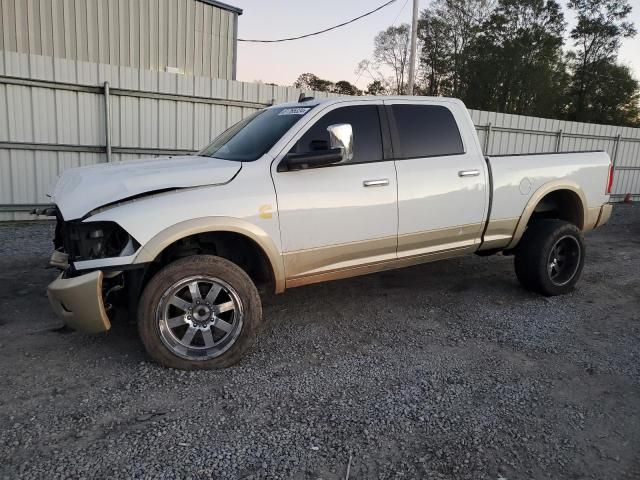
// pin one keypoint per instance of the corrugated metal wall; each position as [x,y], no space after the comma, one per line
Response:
[191,35]
[48,127]
[57,121]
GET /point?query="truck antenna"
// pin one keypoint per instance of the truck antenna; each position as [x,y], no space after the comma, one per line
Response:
[303,98]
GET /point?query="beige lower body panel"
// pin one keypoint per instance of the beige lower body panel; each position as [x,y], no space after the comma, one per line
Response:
[499,233]
[377,267]
[346,256]
[78,302]
[593,214]
[605,214]
[433,241]
[359,258]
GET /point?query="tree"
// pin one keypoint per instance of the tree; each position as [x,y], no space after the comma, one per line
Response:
[345,88]
[517,64]
[446,30]
[309,81]
[391,53]
[601,26]
[611,95]
[435,56]
[376,88]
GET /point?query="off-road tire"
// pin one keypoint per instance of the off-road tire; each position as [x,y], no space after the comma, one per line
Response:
[197,265]
[532,256]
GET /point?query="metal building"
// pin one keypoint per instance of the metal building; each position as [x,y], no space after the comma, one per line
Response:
[193,37]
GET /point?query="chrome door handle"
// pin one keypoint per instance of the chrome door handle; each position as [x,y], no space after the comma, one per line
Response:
[468,173]
[383,182]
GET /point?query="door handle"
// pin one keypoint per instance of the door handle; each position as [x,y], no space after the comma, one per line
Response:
[383,182]
[468,173]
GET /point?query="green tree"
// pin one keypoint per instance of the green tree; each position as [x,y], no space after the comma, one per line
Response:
[309,81]
[435,56]
[376,88]
[345,88]
[598,84]
[446,30]
[611,97]
[517,64]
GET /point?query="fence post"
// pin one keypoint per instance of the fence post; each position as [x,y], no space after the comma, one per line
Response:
[487,138]
[107,120]
[559,140]
[616,146]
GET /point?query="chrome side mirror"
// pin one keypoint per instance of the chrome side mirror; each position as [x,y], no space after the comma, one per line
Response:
[341,136]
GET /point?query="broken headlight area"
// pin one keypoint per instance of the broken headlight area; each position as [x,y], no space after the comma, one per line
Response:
[93,240]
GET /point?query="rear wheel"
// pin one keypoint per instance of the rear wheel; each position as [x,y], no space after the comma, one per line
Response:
[550,257]
[200,312]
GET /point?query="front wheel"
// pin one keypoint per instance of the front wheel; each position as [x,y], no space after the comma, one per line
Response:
[199,312]
[550,257]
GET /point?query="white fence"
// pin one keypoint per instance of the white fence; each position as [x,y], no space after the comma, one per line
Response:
[53,117]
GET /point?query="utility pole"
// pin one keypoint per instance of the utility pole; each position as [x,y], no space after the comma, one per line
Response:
[412,55]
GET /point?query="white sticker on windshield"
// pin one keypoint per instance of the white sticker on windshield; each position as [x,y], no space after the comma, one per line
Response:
[294,111]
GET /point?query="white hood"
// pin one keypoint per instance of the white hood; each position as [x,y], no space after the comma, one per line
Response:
[80,190]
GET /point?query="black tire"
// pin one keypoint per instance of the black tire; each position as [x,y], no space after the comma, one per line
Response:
[540,271]
[155,302]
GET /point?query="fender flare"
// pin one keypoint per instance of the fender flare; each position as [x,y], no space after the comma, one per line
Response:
[538,195]
[150,251]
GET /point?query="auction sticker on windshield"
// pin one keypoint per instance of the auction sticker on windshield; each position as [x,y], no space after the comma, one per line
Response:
[294,111]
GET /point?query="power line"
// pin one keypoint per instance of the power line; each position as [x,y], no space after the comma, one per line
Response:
[393,24]
[400,12]
[321,31]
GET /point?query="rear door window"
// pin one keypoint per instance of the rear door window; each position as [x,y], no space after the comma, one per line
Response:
[426,131]
[367,137]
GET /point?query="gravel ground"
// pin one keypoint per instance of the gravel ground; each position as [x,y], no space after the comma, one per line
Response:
[443,371]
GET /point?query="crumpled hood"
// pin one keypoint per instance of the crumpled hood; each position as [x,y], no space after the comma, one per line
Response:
[80,190]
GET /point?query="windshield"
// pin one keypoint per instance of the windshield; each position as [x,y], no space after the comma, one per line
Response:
[252,137]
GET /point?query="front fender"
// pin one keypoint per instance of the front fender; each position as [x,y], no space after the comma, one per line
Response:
[150,251]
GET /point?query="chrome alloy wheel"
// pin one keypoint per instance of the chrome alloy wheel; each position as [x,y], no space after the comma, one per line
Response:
[564,260]
[199,318]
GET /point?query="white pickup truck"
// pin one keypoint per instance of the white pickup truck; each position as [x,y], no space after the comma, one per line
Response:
[301,193]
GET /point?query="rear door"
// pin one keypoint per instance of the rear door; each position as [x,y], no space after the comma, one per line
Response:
[338,218]
[442,197]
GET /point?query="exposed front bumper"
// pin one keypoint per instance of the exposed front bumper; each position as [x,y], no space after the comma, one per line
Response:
[78,302]
[605,214]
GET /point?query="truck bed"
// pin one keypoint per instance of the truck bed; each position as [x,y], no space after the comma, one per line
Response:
[518,180]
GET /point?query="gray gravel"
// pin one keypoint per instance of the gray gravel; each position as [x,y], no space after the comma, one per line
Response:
[447,370]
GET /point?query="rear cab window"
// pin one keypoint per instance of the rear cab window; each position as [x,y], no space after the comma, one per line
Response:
[425,131]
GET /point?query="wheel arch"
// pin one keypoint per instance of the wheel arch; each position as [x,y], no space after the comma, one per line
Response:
[163,240]
[569,199]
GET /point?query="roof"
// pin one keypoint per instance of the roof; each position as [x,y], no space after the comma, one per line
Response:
[343,98]
[224,6]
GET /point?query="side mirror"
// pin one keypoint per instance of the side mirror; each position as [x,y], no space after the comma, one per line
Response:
[341,136]
[341,150]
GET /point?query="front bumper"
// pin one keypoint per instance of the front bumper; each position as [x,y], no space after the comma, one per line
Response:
[78,302]
[605,214]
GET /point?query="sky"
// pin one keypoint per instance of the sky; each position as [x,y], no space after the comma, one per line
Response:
[336,54]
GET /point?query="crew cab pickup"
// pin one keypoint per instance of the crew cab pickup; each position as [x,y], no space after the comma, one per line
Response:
[308,192]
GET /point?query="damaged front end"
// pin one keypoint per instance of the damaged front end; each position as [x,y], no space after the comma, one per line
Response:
[84,297]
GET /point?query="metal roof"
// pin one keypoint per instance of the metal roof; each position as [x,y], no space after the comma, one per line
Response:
[224,6]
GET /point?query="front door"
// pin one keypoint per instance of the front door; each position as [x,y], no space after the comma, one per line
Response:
[342,219]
